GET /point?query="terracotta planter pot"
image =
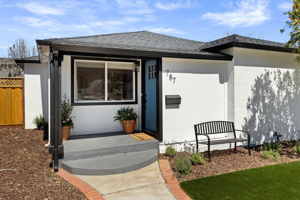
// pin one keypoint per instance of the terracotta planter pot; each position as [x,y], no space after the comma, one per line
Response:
[66,131]
[128,126]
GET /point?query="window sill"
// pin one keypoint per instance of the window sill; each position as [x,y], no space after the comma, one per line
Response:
[103,103]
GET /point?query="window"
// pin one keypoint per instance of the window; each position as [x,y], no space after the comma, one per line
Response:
[152,72]
[101,81]
[120,84]
[90,81]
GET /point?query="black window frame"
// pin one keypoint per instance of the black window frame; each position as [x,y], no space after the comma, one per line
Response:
[74,103]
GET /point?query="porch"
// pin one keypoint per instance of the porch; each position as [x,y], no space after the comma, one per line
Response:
[110,153]
[97,87]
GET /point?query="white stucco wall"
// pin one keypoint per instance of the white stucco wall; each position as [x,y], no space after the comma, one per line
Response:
[35,92]
[210,90]
[258,90]
[260,106]
[92,119]
[230,87]
[202,85]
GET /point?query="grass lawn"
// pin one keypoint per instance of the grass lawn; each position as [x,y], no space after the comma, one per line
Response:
[280,181]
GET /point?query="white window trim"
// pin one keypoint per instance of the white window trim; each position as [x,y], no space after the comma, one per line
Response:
[106,85]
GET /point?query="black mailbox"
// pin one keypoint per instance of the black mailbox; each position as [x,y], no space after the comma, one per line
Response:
[173,99]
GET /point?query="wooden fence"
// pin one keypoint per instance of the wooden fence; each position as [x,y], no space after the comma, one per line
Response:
[11,103]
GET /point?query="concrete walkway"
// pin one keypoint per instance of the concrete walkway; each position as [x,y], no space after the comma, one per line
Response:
[143,184]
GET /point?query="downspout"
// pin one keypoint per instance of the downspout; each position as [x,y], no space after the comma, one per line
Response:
[48,83]
[49,115]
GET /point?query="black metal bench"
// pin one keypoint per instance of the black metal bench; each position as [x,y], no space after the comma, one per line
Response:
[218,127]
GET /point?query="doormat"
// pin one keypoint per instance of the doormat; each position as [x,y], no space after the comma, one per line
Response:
[141,136]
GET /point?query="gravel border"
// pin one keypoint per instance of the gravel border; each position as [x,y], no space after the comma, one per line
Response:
[25,171]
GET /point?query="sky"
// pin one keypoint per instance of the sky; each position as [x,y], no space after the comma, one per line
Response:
[202,20]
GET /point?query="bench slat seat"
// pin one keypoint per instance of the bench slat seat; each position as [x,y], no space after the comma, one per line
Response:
[207,129]
[224,141]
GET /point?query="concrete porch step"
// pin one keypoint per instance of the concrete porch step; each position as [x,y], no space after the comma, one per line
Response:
[102,146]
[108,154]
[112,163]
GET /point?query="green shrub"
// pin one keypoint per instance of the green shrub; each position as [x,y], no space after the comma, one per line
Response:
[170,151]
[183,165]
[272,146]
[276,155]
[39,121]
[66,112]
[197,159]
[267,154]
[296,148]
[270,154]
[125,114]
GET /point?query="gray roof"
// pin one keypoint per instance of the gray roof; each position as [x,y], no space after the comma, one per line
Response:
[6,60]
[9,68]
[140,40]
[163,45]
[241,39]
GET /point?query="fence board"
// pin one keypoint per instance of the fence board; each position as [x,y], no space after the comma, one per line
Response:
[11,102]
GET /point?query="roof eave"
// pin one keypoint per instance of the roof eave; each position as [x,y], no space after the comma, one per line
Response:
[19,61]
[35,61]
[43,42]
[249,46]
[135,53]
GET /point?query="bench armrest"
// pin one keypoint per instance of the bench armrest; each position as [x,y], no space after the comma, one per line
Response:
[247,133]
[208,138]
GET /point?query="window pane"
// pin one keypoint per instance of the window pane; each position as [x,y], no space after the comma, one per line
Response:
[120,84]
[90,81]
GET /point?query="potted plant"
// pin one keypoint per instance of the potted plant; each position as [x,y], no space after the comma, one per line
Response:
[39,122]
[66,118]
[127,117]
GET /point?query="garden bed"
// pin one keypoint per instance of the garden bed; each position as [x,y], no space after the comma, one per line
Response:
[25,171]
[225,161]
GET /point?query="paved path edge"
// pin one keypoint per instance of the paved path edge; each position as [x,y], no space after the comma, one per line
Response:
[171,180]
[85,188]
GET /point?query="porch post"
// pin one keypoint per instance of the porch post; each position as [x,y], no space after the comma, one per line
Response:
[56,145]
[160,100]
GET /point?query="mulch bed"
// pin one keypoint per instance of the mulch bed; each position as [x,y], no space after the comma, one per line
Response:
[226,161]
[25,171]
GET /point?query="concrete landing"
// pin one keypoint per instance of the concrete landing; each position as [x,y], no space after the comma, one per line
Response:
[144,184]
[111,154]
[102,142]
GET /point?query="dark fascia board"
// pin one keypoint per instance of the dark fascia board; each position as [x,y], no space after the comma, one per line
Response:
[139,53]
[250,46]
[20,61]
[43,42]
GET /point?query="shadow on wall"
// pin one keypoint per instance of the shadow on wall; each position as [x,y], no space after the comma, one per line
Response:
[274,105]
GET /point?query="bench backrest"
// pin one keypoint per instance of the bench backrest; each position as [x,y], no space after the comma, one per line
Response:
[214,127]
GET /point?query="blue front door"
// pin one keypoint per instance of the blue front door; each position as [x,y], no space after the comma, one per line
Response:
[150,100]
